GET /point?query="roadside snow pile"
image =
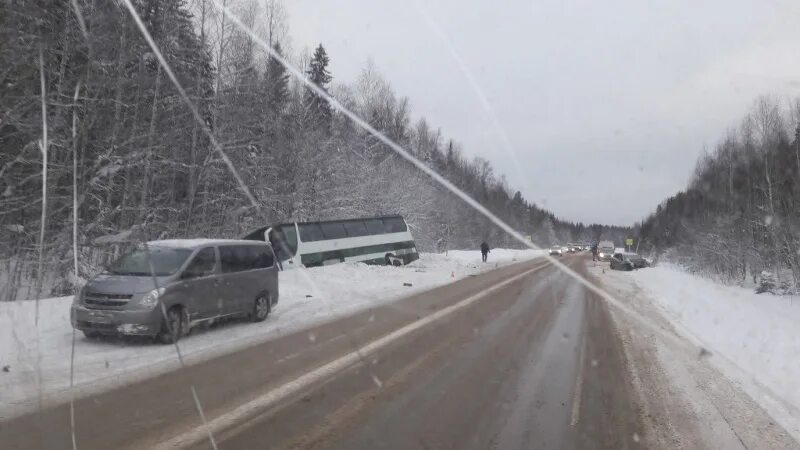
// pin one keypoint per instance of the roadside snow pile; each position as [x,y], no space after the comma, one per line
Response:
[321,294]
[760,334]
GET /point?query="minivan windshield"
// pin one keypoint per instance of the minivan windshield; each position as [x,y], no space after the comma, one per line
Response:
[165,261]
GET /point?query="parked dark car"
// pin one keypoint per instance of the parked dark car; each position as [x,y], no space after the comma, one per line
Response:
[164,288]
[627,261]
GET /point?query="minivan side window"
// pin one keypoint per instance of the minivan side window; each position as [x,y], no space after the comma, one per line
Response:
[230,260]
[202,264]
[263,257]
[238,258]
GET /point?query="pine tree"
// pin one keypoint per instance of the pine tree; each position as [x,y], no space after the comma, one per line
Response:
[319,111]
[276,81]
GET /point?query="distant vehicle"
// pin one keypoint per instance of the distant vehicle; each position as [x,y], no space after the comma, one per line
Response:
[586,247]
[164,288]
[627,261]
[571,247]
[605,250]
[638,261]
[556,250]
[378,240]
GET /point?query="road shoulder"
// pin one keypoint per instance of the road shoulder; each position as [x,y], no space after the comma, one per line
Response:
[687,403]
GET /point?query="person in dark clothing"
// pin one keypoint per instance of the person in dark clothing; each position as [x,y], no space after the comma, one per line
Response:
[484,251]
[594,252]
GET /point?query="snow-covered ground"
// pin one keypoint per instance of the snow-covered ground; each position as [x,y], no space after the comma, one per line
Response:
[754,339]
[35,360]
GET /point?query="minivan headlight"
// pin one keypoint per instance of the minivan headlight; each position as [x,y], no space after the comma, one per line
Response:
[150,300]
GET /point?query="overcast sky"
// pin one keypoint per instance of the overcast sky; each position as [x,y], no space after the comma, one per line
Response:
[606,105]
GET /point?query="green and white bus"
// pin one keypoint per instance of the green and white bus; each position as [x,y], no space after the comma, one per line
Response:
[375,240]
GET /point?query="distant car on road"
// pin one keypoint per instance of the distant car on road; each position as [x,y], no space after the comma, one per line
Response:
[556,250]
[627,261]
[164,288]
[605,250]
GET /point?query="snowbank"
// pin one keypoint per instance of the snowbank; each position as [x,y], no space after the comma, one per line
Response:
[33,353]
[758,336]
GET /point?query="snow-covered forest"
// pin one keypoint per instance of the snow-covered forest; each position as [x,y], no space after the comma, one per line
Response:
[79,85]
[738,219]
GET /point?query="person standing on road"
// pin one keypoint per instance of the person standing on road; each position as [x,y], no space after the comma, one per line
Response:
[484,250]
[594,252]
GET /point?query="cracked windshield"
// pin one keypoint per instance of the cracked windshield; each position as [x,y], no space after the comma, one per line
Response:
[449,224]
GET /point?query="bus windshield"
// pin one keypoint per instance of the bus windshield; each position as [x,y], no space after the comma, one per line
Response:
[284,241]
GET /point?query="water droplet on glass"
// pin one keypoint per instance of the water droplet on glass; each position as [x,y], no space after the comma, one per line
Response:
[312,337]
[372,318]
[594,363]
[377,381]
[635,437]
[768,220]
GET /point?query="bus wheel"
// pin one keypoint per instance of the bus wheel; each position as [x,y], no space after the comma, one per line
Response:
[392,260]
[388,259]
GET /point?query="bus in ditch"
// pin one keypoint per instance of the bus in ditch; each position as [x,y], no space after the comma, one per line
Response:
[375,240]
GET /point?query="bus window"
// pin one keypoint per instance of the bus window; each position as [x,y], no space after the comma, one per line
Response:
[355,228]
[310,232]
[333,230]
[394,225]
[374,226]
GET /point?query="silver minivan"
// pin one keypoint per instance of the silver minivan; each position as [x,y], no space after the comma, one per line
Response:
[164,288]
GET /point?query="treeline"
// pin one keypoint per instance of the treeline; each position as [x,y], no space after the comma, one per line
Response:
[739,218]
[116,131]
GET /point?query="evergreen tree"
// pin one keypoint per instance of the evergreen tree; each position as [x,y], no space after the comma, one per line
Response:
[319,111]
[276,81]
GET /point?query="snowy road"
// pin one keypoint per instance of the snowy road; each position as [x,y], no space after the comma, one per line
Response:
[518,357]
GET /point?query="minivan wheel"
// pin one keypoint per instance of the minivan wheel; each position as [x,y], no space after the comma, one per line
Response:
[173,327]
[261,308]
